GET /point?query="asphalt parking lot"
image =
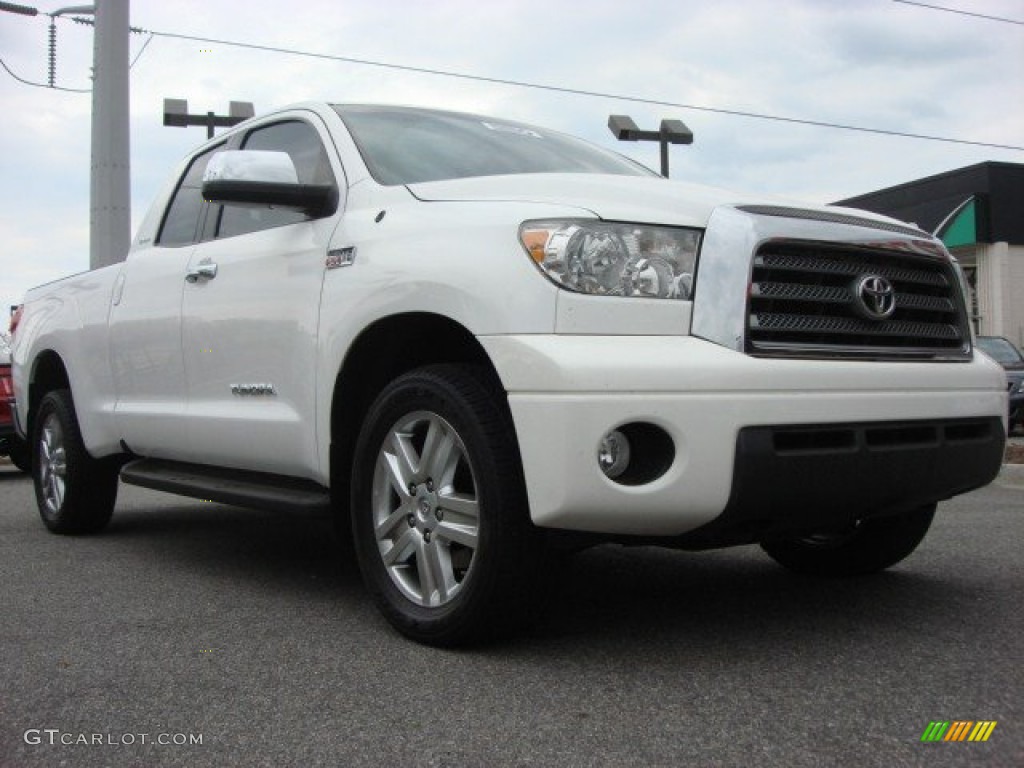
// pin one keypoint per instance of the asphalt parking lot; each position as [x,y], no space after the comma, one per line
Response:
[242,629]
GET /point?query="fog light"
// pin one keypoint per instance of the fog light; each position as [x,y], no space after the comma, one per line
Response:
[613,454]
[636,453]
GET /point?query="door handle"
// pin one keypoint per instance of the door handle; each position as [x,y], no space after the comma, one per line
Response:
[207,270]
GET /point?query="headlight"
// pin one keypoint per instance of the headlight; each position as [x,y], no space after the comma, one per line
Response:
[606,259]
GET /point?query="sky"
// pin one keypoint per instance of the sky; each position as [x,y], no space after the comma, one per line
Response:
[874,63]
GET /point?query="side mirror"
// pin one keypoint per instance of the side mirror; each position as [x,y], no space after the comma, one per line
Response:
[258,178]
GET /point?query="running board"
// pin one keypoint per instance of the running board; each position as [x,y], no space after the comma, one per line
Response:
[237,487]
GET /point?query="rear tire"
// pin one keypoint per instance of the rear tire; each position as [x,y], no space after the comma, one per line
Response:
[868,547]
[439,512]
[75,492]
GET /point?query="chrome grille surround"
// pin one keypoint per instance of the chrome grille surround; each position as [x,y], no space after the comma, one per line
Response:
[774,286]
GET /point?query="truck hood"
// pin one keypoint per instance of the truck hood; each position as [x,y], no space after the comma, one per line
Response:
[651,200]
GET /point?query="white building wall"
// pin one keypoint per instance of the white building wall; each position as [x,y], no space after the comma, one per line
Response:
[984,292]
[1013,292]
[1000,290]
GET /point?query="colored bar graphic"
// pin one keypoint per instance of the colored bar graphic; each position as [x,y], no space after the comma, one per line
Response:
[982,730]
[958,730]
[935,731]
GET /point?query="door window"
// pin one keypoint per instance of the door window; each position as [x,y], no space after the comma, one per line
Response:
[181,221]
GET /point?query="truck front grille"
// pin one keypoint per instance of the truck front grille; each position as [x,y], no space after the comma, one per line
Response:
[824,300]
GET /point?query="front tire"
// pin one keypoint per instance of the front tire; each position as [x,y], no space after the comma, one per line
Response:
[75,493]
[867,547]
[439,515]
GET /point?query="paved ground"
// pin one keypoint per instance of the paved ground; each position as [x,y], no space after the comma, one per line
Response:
[189,620]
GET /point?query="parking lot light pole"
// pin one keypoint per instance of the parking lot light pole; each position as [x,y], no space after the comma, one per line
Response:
[176,114]
[670,132]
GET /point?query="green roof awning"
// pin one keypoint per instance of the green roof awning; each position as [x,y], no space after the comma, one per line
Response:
[961,226]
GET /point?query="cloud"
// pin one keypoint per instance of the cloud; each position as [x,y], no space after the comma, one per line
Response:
[877,64]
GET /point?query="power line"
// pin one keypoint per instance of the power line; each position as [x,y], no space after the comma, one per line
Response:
[42,85]
[141,51]
[960,12]
[23,10]
[50,86]
[90,23]
[563,89]
[582,92]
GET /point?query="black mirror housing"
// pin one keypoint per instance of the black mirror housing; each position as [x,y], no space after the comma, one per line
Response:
[315,200]
[260,179]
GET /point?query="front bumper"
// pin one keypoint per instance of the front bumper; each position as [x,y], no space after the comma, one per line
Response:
[567,392]
[794,481]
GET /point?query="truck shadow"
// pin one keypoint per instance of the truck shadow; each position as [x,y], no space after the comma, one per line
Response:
[609,595]
[706,598]
[282,550]
[10,473]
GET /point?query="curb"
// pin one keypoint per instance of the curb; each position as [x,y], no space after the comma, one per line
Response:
[1011,475]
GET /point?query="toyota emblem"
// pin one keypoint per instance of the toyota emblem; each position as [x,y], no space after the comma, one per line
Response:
[874,297]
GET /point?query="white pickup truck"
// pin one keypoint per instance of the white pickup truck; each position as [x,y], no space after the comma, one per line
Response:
[481,344]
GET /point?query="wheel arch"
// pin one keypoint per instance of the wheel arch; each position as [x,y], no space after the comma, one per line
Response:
[49,372]
[408,341]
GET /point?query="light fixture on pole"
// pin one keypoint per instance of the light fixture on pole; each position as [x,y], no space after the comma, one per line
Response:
[176,114]
[670,132]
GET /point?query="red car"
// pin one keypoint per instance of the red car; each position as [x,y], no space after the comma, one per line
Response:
[11,444]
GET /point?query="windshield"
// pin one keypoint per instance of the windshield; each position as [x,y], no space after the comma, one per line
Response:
[404,145]
[1000,350]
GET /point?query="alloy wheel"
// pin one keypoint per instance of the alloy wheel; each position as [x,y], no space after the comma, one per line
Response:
[425,509]
[52,464]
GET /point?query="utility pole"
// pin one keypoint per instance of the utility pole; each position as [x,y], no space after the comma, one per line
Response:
[110,207]
[110,183]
